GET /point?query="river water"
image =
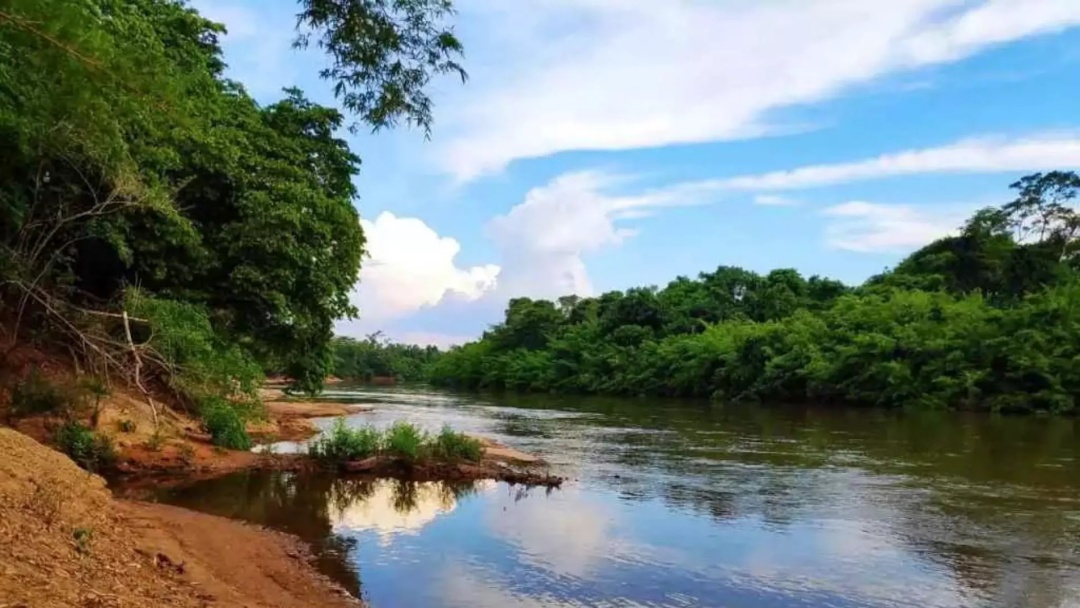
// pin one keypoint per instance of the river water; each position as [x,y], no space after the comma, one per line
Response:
[687,504]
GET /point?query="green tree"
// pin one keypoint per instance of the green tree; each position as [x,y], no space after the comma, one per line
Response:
[129,160]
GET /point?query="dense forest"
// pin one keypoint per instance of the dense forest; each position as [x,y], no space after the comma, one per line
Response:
[161,226]
[986,319]
[376,357]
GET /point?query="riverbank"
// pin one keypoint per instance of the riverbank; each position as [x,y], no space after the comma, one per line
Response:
[69,542]
[74,543]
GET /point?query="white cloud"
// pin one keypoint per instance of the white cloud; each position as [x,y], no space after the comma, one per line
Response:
[409,267]
[982,155]
[427,338]
[557,75]
[878,228]
[543,239]
[773,200]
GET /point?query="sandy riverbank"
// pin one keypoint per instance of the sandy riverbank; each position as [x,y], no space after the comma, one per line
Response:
[68,542]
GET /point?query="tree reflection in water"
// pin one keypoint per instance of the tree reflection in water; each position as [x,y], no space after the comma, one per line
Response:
[323,509]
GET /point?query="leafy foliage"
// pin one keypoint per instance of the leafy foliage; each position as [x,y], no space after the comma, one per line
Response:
[375,357]
[451,446]
[135,162]
[383,54]
[343,443]
[988,319]
[404,441]
[90,450]
[401,441]
[226,424]
[36,394]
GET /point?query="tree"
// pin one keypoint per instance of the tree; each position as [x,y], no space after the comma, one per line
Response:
[136,163]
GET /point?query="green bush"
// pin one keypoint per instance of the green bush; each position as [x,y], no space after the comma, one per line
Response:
[206,363]
[88,449]
[36,394]
[401,441]
[343,443]
[452,446]
[405,441]
[226,424]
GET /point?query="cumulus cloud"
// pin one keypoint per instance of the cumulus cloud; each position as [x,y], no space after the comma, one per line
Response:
[544,238]
[558,75]
[409,267]
[879,228]
[981,155]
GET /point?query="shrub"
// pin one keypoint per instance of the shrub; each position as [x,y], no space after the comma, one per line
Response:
[204,363]
[452,446]
[405,441]
[88,449]
[96,390]
[402,441]
[343,443]
[226,424]
[125,426]
[35,394]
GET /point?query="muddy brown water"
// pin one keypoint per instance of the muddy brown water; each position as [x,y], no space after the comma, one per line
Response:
[687,504]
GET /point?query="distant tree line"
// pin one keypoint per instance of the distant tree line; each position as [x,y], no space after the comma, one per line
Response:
[987,319]
[377,357]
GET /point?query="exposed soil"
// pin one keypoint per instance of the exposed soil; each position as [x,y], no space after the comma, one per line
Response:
[238,564]
[312,409]
[498,452]
[289,418]
[67,542]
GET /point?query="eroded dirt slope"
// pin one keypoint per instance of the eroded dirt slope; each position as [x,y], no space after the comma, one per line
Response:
[67,542]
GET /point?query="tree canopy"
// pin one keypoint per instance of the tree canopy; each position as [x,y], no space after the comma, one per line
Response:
[138,179]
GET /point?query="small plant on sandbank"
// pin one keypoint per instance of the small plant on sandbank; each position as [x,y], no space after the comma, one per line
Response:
[401,441]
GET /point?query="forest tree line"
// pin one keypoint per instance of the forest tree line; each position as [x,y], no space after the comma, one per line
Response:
[987,319]
[376,357]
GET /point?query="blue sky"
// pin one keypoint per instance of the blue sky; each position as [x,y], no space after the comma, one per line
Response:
[604,144]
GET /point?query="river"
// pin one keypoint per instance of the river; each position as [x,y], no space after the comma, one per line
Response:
[687,504]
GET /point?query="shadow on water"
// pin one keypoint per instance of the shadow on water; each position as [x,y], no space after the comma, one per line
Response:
[687,504]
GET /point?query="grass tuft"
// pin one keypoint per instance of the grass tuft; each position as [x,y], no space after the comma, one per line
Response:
[405,441]
[402,441]
[343,443]
[452,446]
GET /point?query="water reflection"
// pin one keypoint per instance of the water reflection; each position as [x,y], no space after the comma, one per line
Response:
[389,506]
[681,504]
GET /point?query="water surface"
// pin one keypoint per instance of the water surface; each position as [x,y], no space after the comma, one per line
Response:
[687,504]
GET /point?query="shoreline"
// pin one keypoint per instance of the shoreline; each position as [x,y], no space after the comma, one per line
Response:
[199,559]
[70,542]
